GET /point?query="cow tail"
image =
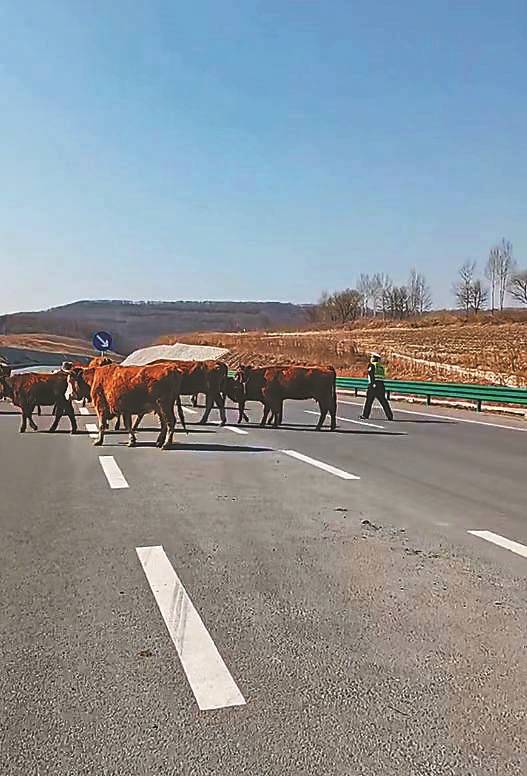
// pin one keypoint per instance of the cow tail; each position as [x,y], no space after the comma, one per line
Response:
[334,391]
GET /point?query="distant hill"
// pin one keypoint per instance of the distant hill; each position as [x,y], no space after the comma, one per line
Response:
[136,324]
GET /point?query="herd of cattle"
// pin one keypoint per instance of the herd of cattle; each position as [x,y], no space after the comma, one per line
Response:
[122,392]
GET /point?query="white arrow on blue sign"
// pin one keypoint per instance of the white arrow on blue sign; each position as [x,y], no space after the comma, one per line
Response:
[102,341]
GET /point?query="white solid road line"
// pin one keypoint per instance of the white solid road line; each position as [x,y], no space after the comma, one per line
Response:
[190,410]
[230,428]
[113,474]
[92,429]
[444,417]
[321,465]
[348,420]
[502,541]
[84,410]
[207,674]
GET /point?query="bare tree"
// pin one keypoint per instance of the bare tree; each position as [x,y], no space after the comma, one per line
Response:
[518,286]
[419,296]
[478,296]
[341,306]
[506,267]
[462,288]
[364,287]
[397,298]
[492,274]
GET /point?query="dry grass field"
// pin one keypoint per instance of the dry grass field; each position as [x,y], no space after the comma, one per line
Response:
[444,347]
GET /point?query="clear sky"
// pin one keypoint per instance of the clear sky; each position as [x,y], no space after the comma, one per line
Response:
[258,149]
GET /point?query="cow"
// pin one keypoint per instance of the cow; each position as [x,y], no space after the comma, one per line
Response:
[29,389]
[131,390]
[99,361]
[273,384]
[208,377]
[235,391]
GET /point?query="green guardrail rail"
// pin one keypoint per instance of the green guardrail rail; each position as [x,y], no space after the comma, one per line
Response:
[496,394]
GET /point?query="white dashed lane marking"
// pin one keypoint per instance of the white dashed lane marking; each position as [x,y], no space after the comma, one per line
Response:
[92,430]
[207,674]
[502,541]
[84,410]
[114,475]
[321,465]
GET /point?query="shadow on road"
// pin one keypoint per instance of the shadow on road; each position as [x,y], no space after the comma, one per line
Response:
[205,448]
[324,430]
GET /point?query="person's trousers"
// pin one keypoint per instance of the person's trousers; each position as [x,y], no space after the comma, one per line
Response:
[378,392]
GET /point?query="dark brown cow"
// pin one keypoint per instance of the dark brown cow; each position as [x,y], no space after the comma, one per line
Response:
[29,389]
[131,390]
[274,384]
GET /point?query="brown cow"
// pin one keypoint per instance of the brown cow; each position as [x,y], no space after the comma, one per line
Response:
[131,390]
[29,389]
[274,384]
[208,377]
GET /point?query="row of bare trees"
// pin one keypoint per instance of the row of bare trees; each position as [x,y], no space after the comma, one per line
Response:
[503,276]
[375,295]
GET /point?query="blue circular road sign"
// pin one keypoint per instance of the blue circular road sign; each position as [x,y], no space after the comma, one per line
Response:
[102,341]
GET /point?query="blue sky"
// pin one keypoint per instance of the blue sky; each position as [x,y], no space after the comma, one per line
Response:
[255,149]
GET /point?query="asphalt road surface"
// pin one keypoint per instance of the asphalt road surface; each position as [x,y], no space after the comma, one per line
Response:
[267,602]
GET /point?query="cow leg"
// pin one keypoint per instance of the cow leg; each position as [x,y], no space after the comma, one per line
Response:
[163,430]
[103,425]
[194,399]
[323,414]
[70,412]
[220,403]
[138,420]
[181,414]
[117,426]
[266,411]
[127,418]
[59,412]
[23,425]
[170,420]
[333,414]
[39,411]
[84,402]
[30,418]
[209,401]
[241,412]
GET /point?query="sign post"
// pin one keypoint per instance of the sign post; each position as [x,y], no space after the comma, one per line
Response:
[102,341]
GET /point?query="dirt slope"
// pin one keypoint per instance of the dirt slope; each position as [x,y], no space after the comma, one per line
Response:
[29,349]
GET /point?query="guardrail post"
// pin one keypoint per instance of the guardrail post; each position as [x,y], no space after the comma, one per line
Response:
[388,395]
[429,400]
[479,405]
[356,391]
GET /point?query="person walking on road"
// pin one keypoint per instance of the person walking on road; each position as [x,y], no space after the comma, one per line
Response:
[376,389]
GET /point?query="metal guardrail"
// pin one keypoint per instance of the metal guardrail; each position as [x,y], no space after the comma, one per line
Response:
[477,393]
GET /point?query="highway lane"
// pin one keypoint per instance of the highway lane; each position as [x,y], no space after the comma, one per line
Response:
[357,649]
[422,468]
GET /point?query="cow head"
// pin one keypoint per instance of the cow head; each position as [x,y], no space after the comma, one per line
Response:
[6,388]
[78,387]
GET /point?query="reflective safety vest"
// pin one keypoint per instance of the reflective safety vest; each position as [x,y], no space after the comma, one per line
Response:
[380,371]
